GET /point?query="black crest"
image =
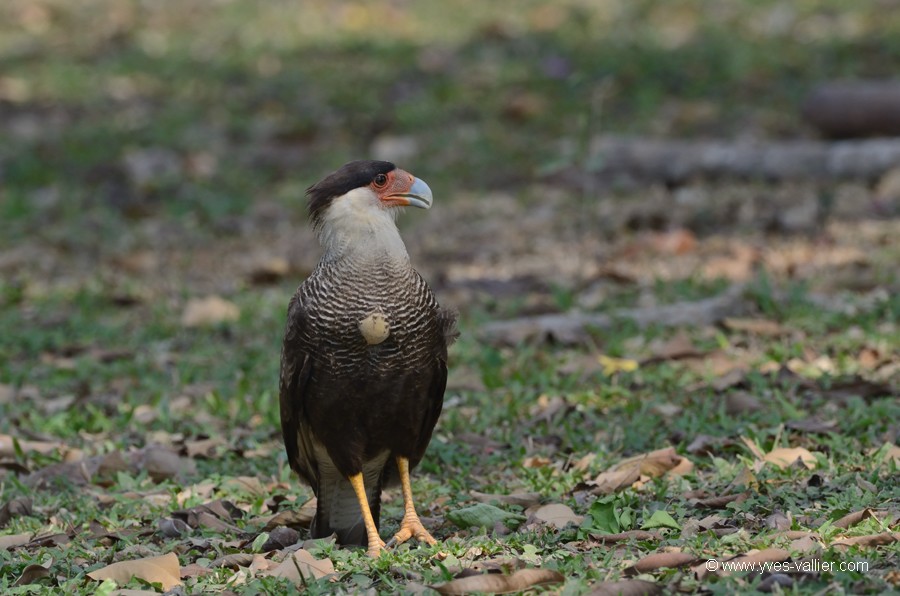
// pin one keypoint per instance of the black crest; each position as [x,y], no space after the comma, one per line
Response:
[354,174]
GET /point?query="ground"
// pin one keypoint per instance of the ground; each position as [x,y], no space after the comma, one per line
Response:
[153,161]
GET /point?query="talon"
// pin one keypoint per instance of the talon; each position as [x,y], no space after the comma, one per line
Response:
[375,550]
[412,526]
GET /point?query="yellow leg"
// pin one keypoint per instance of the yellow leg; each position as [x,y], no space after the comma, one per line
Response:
[411,525]
[375,541]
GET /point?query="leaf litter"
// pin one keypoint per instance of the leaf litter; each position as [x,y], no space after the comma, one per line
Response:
[738,347]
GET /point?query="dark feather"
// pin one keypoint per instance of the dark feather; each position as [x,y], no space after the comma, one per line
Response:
[351,175]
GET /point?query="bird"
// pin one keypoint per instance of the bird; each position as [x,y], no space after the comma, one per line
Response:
[364,356]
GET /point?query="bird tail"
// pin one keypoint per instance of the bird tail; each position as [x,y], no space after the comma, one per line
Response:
[338,511]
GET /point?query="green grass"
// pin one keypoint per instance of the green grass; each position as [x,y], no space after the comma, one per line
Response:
[247,103]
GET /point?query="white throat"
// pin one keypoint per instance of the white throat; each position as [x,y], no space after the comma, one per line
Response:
[356,225]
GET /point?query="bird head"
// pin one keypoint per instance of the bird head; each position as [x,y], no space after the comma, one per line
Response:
[358,202]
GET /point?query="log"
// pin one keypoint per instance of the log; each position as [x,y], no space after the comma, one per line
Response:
[636,161]
[575,328]
[845,109]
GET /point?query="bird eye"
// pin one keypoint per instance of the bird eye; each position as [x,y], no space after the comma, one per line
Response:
[380,180]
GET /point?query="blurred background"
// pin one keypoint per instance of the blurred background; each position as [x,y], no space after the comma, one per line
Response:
[586,156]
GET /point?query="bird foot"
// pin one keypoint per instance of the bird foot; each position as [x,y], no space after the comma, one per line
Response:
[409,527]
[375,548]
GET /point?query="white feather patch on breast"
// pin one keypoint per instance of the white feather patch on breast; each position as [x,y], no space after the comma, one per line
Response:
[375,328]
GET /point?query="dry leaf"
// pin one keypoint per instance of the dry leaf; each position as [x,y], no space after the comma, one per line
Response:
[31,574]
[300,566]
[868,540]
[536,461]
[164,570]
[851,519]
[7,448]
[613,365]
[615,480]
[269,270]
[660,560]
[205,448]
[741,402]
[558,515]
[162,464]
[194,570]
[15,507]
[784,457]
[805,544]
[677,347]
[293,518]
[891,452]
[763,327]
[627,587]
[766,555]
[627,535]
[754,448]
[209,311]
[629,471]
[523,500]
[496,583]
[13,540]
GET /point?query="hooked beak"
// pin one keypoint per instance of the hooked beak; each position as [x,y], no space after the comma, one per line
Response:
[418,195]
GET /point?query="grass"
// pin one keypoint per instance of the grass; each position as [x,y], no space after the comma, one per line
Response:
[147,163]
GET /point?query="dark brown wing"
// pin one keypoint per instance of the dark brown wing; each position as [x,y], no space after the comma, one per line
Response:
[296,371]
[447,325]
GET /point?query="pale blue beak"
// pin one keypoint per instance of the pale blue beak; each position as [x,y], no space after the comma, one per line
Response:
[419,195]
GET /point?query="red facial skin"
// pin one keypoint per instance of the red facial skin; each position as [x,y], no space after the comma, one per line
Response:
[396,183]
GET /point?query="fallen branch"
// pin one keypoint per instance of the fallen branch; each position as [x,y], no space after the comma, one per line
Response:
[573,328]
[641,161]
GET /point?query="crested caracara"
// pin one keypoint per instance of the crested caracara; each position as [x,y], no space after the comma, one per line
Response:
[364,359]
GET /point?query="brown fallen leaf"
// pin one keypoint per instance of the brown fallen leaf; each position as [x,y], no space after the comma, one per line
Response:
[163,464]
[630,471]
[627,535]
[766,555]
[32,573]
[614,480]
[194,570]
[706,445]
[741,402]
[209,311]
[13,540]
[784,457]
[851,519]
[293,518]
[205,448]
[891,453]
[677,347]
[626,587]
[795,534]
[659,561]
[300,566]
[813,424]
[855,386]
[496,583]
[15,507]
[762,327]
[557,515]
[269,270]
[164,570]
[868,540]
[7,446]
[232,561]
[805,545]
